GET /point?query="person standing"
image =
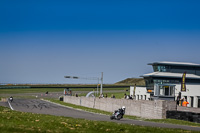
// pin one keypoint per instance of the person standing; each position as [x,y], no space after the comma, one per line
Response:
[178,100]
[185,103]
[125,96]
[181,102]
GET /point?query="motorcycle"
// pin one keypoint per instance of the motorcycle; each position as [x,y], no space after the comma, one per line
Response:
[11,99]
[116,115]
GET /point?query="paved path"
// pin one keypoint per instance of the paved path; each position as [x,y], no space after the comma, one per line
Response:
[5,104]
[44,107]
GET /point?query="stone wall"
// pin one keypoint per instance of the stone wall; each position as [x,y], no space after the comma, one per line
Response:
[142,108]
[185,113]
[188,109]
[182,115]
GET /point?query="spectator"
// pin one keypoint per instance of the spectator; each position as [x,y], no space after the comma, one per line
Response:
[125,96]
[185,103]
[113,96]
[106,96]
[181,102]
[177,100]
[101,96]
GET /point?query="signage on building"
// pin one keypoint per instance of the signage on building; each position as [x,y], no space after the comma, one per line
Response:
[150,91]
[134,90]
[183,86]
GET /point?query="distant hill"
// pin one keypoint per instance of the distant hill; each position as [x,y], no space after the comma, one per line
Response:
[132,81]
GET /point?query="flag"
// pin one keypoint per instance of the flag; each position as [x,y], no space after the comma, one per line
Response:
[134,90]
[183,86]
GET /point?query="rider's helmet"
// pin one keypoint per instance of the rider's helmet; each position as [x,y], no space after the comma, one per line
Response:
[123,107]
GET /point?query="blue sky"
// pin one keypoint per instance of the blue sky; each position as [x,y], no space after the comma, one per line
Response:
[42,41]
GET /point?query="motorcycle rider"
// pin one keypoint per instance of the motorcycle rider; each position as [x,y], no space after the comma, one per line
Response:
[121,111]
[11,98]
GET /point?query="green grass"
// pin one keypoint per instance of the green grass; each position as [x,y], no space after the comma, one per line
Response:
[132,81]
[29,90]
[170,121]
[174,121]
[64,85]
[118,95]
[43,90]
[20,122]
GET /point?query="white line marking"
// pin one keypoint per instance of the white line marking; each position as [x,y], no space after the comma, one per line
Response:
[10,105]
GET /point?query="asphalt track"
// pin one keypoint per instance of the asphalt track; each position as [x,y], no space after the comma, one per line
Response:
[44,107]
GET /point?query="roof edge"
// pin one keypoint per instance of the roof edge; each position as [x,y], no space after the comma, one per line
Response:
[175,63]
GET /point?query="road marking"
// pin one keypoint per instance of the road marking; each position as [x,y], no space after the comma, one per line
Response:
[10,105]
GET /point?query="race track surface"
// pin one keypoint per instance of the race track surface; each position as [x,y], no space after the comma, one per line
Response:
[44,107]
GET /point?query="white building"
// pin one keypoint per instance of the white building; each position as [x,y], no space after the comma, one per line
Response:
[165,82]
[140,93]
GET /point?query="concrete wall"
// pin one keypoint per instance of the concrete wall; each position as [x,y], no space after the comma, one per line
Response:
[188,109]
[142,108]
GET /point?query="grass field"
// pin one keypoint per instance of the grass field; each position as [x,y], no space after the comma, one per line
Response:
[80,91]
[19,122]
[118,95]
[30,90]
[38,90]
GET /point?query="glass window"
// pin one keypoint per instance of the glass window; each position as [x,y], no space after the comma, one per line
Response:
[166,90]
[159,68]
[197,72]
[155,68]
[161,89]
[185,98]
[163,69]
